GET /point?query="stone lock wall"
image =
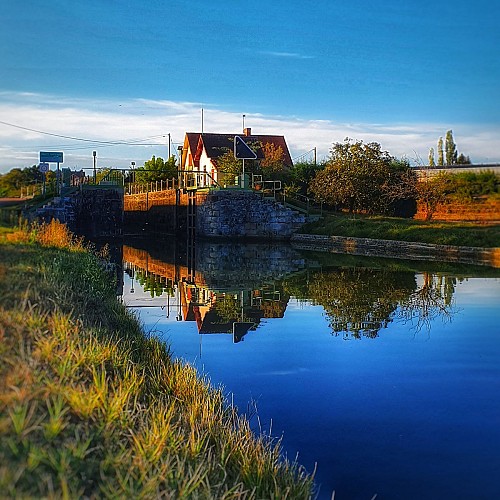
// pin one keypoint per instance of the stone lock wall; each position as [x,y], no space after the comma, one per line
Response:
[93,212]
[398,249]
[244,214]
[234,266]
[100,212]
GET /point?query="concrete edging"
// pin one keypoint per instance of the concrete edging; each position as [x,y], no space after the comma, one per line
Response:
[398,249]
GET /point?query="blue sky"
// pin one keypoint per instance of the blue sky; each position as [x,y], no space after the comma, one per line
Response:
[399,73]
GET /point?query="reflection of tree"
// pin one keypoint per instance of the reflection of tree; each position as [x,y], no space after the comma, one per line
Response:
[153,284]
[227,307]
[433,299]
[359,302]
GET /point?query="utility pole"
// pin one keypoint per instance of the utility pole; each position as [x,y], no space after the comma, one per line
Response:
[243,123]
[94,154]
[314,155]
[169,154]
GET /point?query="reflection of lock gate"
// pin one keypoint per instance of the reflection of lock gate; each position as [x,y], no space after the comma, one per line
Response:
[265,295]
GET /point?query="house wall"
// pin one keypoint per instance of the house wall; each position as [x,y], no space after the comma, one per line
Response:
[206,165]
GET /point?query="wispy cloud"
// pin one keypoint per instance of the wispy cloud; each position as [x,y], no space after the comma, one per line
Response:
[289,55]
[142,127]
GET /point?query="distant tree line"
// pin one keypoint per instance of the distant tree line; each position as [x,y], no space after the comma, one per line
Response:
[448,156]
[356,177]
[11,182]
[362,178]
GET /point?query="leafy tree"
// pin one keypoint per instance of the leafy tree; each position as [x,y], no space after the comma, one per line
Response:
[229,164]
[432,190]
[302,173]
[358,176]
[468,185]
[450,148]
[432,162]
[12,181]
[156,169]
[450,154]
[272,165]
[228,167]
[399,190]
[463,160]
[440,152]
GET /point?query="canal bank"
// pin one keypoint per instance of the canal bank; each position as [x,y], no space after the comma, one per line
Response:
[91,405]
[397,249]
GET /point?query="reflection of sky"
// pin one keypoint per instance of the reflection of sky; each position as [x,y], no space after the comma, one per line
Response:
[409,414]
[476,294]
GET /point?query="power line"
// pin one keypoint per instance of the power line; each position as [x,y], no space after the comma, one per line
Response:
[92,141]
[303,154]
[67,147]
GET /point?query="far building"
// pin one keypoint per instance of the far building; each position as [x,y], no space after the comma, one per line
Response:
[202,150]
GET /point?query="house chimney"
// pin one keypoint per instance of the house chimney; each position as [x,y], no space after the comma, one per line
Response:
[247,131]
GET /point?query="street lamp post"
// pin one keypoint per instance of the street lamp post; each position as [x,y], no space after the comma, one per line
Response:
[180,149]
[132,177]
[94,154]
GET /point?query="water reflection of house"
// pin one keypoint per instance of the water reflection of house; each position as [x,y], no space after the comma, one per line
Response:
[207,307]
[271,301]
[219,312]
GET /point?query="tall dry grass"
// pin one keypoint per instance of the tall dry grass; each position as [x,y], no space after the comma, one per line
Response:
[52,234]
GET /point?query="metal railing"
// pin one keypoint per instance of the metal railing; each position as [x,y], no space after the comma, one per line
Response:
[269,188]
[197,179]
[150,187]
[303,203]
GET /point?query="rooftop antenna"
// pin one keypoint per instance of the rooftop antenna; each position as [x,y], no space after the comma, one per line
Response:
[202,120]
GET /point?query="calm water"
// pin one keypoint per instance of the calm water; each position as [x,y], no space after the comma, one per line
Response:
[385,374]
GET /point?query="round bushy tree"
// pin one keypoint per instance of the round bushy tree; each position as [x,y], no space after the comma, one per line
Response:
[362,178]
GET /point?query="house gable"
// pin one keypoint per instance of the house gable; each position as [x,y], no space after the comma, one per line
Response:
[212,146]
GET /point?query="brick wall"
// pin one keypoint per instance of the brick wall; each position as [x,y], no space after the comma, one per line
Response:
[479,210]
[137,202]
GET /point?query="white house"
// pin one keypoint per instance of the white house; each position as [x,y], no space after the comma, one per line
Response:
[201,151]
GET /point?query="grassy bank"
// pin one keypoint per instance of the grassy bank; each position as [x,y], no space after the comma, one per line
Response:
[439,233]
[90,406]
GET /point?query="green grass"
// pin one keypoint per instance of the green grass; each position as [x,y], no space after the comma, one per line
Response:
[90,406]
[439,233]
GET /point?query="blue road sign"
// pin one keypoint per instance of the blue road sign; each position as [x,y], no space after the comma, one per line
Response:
[51,157]
[43,167]
[241,150]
